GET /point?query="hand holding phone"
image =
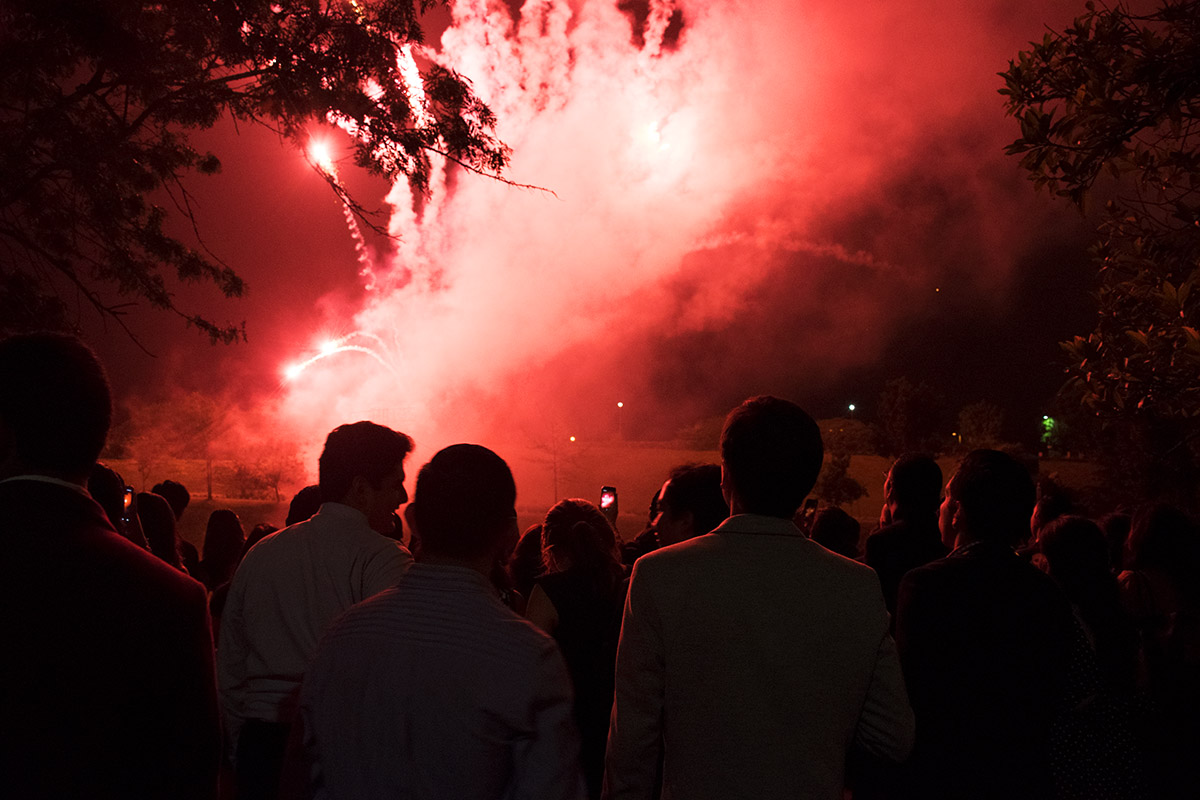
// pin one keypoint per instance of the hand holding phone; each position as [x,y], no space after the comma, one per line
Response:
[608,504]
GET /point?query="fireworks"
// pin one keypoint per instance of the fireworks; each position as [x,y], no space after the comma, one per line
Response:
[350,343]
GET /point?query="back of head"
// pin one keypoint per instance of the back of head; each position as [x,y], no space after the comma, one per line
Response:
[158,523]
[55,406]
[996,495]
[835,530]
[259,532]
[1053,501]
[1077,553]
[696,488]
[576,533]
[175,493]
[224,539]
[771,452]
[306,503]
[359,449]
[915,482]
[1162,537]
[464,503]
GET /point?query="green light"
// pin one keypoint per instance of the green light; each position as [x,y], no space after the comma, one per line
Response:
[1048,426]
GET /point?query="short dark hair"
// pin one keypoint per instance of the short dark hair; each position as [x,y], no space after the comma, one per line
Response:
[55,402]
[359,449]
[175,493]
[306,503]
[996,494]
[916,484]
[772,454]
[835,530]
[697,488]
[465,498]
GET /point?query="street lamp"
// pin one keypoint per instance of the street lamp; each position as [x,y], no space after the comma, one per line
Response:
[620,432]
[851,407]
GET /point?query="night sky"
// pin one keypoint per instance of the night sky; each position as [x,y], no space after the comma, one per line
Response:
[804,199]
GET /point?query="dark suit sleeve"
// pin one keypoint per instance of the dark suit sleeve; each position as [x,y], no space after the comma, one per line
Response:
[188,749]
[917,633]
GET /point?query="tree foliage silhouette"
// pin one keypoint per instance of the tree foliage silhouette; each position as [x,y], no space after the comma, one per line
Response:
[1111,107]
[98,101]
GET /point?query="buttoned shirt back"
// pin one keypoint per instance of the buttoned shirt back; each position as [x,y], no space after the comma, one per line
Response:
[435,689]
[284,595]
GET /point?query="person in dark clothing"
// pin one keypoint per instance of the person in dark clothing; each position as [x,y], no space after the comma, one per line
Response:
[987,643]
[836,531]
[579,602]
[647,540]
[690,504]
[106,683]
[224,541]
[911,493]
[108,488]
[525,564]
[158,523]
[177,495]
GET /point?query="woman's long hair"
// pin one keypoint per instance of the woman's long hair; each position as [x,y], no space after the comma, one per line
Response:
[158,523]
[224,540]
[577,536]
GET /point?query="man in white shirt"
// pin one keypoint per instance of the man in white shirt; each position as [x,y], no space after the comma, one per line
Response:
[434,689]
[751,659]
[292,585]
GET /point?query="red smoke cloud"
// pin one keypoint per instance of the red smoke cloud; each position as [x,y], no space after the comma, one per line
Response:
[755,204]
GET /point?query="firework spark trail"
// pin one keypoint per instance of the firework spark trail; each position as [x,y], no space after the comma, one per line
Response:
[322,160]
[332,347]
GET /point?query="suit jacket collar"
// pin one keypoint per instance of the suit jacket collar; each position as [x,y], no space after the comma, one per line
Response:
[75,487]
[983,550]
[759,524]
[48,506]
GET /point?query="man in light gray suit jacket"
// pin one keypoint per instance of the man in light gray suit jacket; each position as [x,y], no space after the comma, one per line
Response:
[752,659]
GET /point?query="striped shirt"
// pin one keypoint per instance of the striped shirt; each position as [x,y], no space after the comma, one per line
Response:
[435,689]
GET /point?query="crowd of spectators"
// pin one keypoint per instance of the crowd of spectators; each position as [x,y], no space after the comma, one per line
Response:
[986,640]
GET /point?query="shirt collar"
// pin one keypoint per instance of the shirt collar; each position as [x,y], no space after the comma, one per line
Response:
[342,511]
[981,548]
[452,575]
[757,523]
[75,487]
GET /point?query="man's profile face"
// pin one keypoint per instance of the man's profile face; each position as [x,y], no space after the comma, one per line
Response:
[382,500]
[671,526]
[946,516]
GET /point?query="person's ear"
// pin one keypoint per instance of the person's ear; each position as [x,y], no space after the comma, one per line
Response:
[726,486]
[958,520]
